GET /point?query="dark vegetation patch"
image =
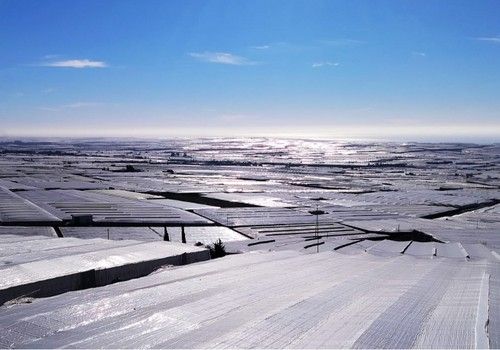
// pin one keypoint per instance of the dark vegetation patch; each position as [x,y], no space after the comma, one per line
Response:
[417,236]
[217,250]
[129,168]
[463,209]
[200,199]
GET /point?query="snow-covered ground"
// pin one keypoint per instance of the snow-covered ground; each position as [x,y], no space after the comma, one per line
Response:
[275,300]
[343,244]
[33,266]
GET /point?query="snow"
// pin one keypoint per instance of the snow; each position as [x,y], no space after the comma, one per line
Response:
[389,247]
[252,199]
[27,263]
[406,255]
[28,231]
[182,204]
[451,250]
[255,216]
[269,300]
[205,235]
[14,208]
[109,208]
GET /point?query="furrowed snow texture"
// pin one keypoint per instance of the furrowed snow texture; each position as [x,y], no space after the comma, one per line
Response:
[277,300]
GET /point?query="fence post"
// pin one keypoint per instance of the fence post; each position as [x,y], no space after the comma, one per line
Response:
[183,234]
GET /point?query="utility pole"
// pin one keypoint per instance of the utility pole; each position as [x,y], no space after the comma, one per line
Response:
[317,230]
[317,212]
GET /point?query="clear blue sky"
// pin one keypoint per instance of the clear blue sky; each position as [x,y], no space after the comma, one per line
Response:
[380,69]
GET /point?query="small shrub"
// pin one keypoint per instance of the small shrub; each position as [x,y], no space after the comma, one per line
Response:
[217,250]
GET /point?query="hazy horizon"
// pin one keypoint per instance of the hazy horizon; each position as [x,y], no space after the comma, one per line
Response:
[144,138]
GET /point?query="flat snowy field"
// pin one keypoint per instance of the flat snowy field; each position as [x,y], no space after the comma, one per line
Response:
[275,300]
[342,244]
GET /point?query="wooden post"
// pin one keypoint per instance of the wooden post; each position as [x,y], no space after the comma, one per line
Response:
[183,234]
[317,230]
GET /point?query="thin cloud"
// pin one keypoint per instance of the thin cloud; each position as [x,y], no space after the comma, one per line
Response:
[325,64]
[341,42]
[83,104]
[493,39]
[76,63]
[74,105]
[282,46]
[222,58]
[420,54]
[261,47]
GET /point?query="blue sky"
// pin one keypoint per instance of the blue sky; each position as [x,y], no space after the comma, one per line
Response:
[356,69]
